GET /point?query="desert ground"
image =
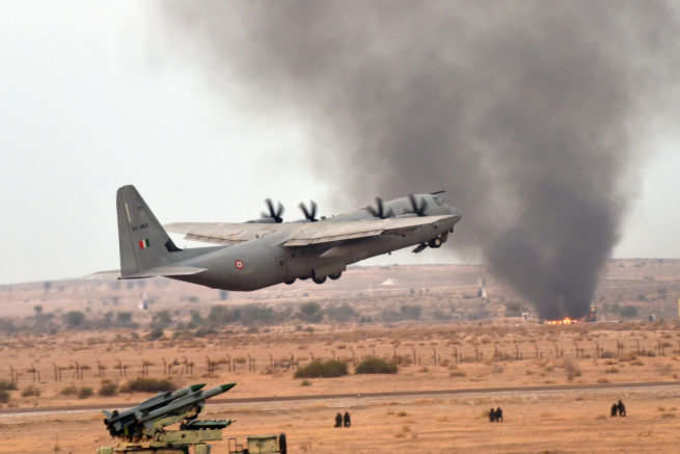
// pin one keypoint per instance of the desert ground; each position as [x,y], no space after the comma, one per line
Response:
[431,321]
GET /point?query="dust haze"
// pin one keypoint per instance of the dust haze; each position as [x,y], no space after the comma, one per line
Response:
[526,112]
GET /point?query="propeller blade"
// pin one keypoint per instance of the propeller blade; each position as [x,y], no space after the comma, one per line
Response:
[379,210]
[273,214]
[314,207]
[303,208]
[270,206]
[418,209]
[310,214]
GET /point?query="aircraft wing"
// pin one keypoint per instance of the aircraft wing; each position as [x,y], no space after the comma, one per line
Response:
[223,232]
[301,234]
[332,232]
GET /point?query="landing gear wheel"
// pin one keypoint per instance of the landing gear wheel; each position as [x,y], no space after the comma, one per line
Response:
[319,280]
[290,282]
[435,242]
[335,276]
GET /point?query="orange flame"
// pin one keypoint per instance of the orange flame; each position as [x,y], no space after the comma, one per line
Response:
[564,321]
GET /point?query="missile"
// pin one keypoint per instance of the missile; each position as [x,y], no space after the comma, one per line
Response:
[115,419]
[178,405]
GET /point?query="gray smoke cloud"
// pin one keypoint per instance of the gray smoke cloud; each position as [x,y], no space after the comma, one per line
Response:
[526,112]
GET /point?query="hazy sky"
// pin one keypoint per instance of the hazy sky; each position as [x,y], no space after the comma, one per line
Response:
[94,98]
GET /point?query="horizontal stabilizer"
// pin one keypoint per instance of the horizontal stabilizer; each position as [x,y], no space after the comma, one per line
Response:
[167,271]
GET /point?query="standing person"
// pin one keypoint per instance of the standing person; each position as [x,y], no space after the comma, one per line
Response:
[615,409]
[622,408]
[499,415]
[338,420]
[492,415]
[348,421]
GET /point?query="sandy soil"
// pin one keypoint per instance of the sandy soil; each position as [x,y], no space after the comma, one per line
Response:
[569,421]
[534,423]
[451,354]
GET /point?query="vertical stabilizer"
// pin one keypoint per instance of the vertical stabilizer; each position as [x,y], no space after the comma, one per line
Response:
[143,242]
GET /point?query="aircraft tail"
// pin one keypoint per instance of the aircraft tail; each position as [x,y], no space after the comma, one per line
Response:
[145,247]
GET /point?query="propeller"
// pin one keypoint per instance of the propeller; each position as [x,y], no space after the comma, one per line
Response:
[418,209]
[310,214]
[275,215]
[379,210]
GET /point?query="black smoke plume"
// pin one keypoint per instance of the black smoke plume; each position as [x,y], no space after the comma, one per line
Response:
[525,111]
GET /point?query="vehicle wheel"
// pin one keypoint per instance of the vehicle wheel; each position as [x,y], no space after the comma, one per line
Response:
[319,280]
[335,276]
[290,282]
[435,242]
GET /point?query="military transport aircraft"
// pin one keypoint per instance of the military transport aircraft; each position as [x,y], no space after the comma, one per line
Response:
[267,251]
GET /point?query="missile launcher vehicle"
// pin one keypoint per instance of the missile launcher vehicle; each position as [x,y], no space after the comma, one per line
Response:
[145,429]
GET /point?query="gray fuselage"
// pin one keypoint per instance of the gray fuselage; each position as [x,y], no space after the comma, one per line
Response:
[263,262]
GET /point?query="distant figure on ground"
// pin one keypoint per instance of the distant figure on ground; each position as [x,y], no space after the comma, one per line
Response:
[338,420]
[348,421]
[492,415]
[283,446]
[615,409]
[499,415]
[621,408]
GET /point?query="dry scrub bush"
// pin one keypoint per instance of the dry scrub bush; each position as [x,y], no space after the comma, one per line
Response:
[70,390]
[322,369]
[4,396]
[457,373]
[373,365]
[571,368]
[108,388]
[30,391]
[7,385]
[611,370]
[148,385]
[85,392]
